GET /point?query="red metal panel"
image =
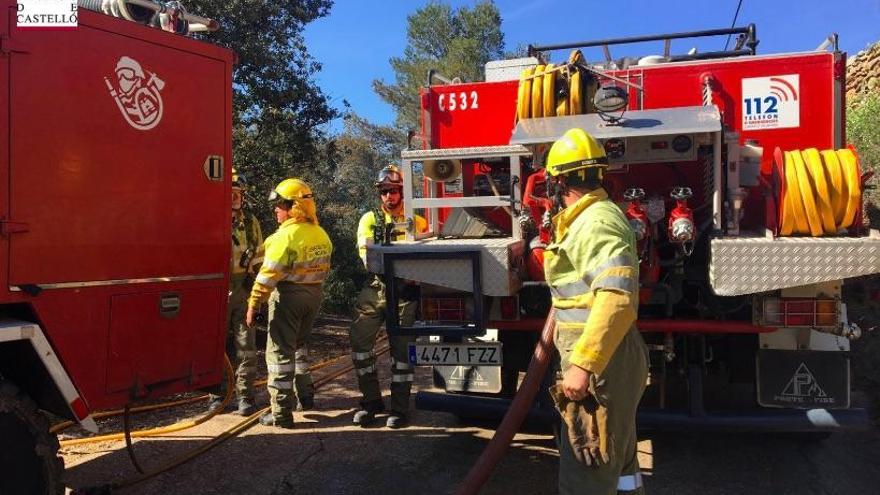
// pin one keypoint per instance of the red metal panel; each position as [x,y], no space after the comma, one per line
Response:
[665,85]
[474,114]
[102,198]
[681,85]
[136,325]
[5,10]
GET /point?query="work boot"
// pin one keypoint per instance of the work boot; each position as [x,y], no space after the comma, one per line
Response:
[396,420]
[215,402]
[306,403]
[367,413]
[245,407]
[269,419]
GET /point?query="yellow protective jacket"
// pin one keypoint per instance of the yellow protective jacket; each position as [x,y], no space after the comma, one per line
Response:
[368,222]
[593,273]
[246,235]
[296,252]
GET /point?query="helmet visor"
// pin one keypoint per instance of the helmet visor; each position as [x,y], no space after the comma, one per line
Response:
[389,177]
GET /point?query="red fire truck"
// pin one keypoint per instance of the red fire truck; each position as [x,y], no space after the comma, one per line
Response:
[114,224]
[746,203]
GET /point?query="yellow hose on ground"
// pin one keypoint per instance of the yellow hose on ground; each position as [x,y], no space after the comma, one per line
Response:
[822,194]
[234,431]
[183,425]
[59,427]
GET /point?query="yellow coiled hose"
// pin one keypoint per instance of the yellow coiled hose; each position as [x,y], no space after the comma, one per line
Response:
[555,90]
[823,192]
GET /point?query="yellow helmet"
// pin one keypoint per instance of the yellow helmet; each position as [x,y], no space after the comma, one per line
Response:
[299,194]
[291,190]
[575,150]
[238,180]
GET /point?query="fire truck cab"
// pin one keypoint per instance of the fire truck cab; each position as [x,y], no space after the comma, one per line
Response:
[732,170]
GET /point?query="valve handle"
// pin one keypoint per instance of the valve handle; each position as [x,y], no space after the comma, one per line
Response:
[680,193]
[634,193]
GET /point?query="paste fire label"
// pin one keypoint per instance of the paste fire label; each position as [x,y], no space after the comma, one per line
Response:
[771,102]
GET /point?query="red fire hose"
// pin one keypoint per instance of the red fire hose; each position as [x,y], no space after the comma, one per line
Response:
[515,415]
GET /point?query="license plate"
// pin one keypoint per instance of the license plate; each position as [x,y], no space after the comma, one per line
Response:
[471,354]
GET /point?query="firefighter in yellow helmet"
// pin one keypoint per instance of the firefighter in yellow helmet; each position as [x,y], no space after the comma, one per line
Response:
[593,273]
[371,312]
[297,261]
[247,255]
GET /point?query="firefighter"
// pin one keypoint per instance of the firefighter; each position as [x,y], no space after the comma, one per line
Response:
[371,312]
[297,261]
[247,255]
[592,270]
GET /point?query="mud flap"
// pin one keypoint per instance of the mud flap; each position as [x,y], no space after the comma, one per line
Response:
[803,379]
[481,379]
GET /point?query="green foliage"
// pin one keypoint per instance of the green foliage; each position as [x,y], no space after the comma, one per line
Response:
[457,43]
[863,129]
[277,108]
[862,124]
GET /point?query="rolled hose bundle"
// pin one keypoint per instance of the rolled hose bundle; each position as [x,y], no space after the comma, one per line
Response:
[821,192]
[555,90]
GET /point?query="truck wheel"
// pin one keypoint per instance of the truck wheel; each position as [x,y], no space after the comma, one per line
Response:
[29,461]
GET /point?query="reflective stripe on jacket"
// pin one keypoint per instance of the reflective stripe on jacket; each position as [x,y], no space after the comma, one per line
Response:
[296,252]
[368,222]
[593,273]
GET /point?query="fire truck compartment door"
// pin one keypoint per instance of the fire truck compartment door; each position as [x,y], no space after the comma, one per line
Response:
[160,337]
[107,152]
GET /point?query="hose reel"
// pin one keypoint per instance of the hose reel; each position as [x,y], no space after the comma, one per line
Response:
[556,90]
[818,193]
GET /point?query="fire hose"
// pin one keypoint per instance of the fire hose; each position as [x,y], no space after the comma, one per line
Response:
[59,427]
[519,407]
[214,442]
[822,191]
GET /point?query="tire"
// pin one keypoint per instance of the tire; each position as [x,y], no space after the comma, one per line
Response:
[29,462]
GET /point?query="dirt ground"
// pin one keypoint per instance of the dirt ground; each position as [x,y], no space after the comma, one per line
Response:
[325,454]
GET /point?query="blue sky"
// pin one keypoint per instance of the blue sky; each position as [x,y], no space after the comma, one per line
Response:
[355,42]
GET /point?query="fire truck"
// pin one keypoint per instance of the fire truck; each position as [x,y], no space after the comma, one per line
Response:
[114,222]
[745,201]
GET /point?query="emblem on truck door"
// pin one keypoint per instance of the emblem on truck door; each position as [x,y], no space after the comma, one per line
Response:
[137,94]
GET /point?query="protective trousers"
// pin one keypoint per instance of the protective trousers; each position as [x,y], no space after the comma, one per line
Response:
[363,333]
[302,377]
[241,347]
[296,310]
[618,390]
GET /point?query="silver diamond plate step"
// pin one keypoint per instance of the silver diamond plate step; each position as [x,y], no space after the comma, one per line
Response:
[500,261]
[747,265]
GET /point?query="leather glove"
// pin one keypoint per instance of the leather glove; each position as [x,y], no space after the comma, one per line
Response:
[586,421]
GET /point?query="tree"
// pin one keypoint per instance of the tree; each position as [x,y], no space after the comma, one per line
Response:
[457,43]
[277,108]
